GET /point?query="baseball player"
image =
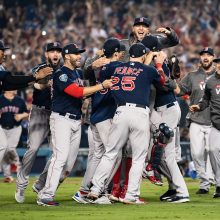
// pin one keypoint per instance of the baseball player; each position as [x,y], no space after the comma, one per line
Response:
[141,27]
[103,109]
[39,127]
[200,126]
[65,123]
[211,98]
[166,110]
[130,81]
[12,111]
[11,82]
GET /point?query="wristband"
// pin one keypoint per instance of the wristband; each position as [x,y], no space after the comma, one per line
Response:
[102,86]
[158,65]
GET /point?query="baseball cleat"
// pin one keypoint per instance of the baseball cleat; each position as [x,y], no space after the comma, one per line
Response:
[123,193]
[8,179]
[19,196]
[179,199]
[35,189]
[113,198]
[168,195]
[115,193]
[92,196]
[134,201]
[80,197]
[154,180]
[217,193]
[46,202]
[103,200]
[202,191]
[150,175]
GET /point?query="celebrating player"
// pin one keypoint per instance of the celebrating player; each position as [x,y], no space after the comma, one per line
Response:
[103,109]
[211,98]
[200,126]
[12,82]
[65,120]
[130,81]
[39,127]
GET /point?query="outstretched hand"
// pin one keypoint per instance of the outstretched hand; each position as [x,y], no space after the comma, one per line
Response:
[194,108]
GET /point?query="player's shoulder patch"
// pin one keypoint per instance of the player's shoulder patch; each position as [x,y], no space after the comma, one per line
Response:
[63,78]
[104,68]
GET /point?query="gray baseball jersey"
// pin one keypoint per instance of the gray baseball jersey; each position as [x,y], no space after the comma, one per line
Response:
[212,98]
[194,85]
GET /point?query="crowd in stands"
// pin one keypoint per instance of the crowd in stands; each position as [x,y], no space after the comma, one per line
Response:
[26,26]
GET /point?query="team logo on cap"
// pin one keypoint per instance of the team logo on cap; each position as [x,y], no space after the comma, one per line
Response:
[55,44]
[206,49]
[66,51]
[63,78]
[75,45]
[141,19]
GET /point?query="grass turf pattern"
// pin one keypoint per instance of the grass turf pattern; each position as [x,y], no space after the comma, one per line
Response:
[200,207]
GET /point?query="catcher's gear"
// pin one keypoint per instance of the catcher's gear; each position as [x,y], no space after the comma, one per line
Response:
[161,137]
[173,64]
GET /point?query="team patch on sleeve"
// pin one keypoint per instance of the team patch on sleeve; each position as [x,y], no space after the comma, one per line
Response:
[63,78]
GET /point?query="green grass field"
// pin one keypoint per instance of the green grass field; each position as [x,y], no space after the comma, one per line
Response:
[200,207]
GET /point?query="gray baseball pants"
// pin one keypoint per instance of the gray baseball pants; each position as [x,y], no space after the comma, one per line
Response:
[12,136]
[66,135]
[3,144]
[38,130]
[130,123]
[214,152]
[171,117]
[199,143]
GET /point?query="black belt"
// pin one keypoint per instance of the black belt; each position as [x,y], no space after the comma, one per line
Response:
[170,104]
[71,116]
[167,106]
[132,105]
[9,127]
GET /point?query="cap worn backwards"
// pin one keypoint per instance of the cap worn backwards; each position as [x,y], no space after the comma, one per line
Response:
[151,42]
[138,50]
[111,46]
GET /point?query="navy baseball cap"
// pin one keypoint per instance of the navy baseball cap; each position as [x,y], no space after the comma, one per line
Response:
[122,47]
[138,50]
[142,20]
[72,49]
[2,46]
[111,46]
[216,60]
[53,46]
[208,50]
[151,42]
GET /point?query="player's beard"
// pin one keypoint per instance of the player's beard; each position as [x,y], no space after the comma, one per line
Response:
[74,63]
[206,66]
[52,64]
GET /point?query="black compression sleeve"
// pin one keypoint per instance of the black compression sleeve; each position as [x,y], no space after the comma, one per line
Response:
[18,80]
[9,87]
